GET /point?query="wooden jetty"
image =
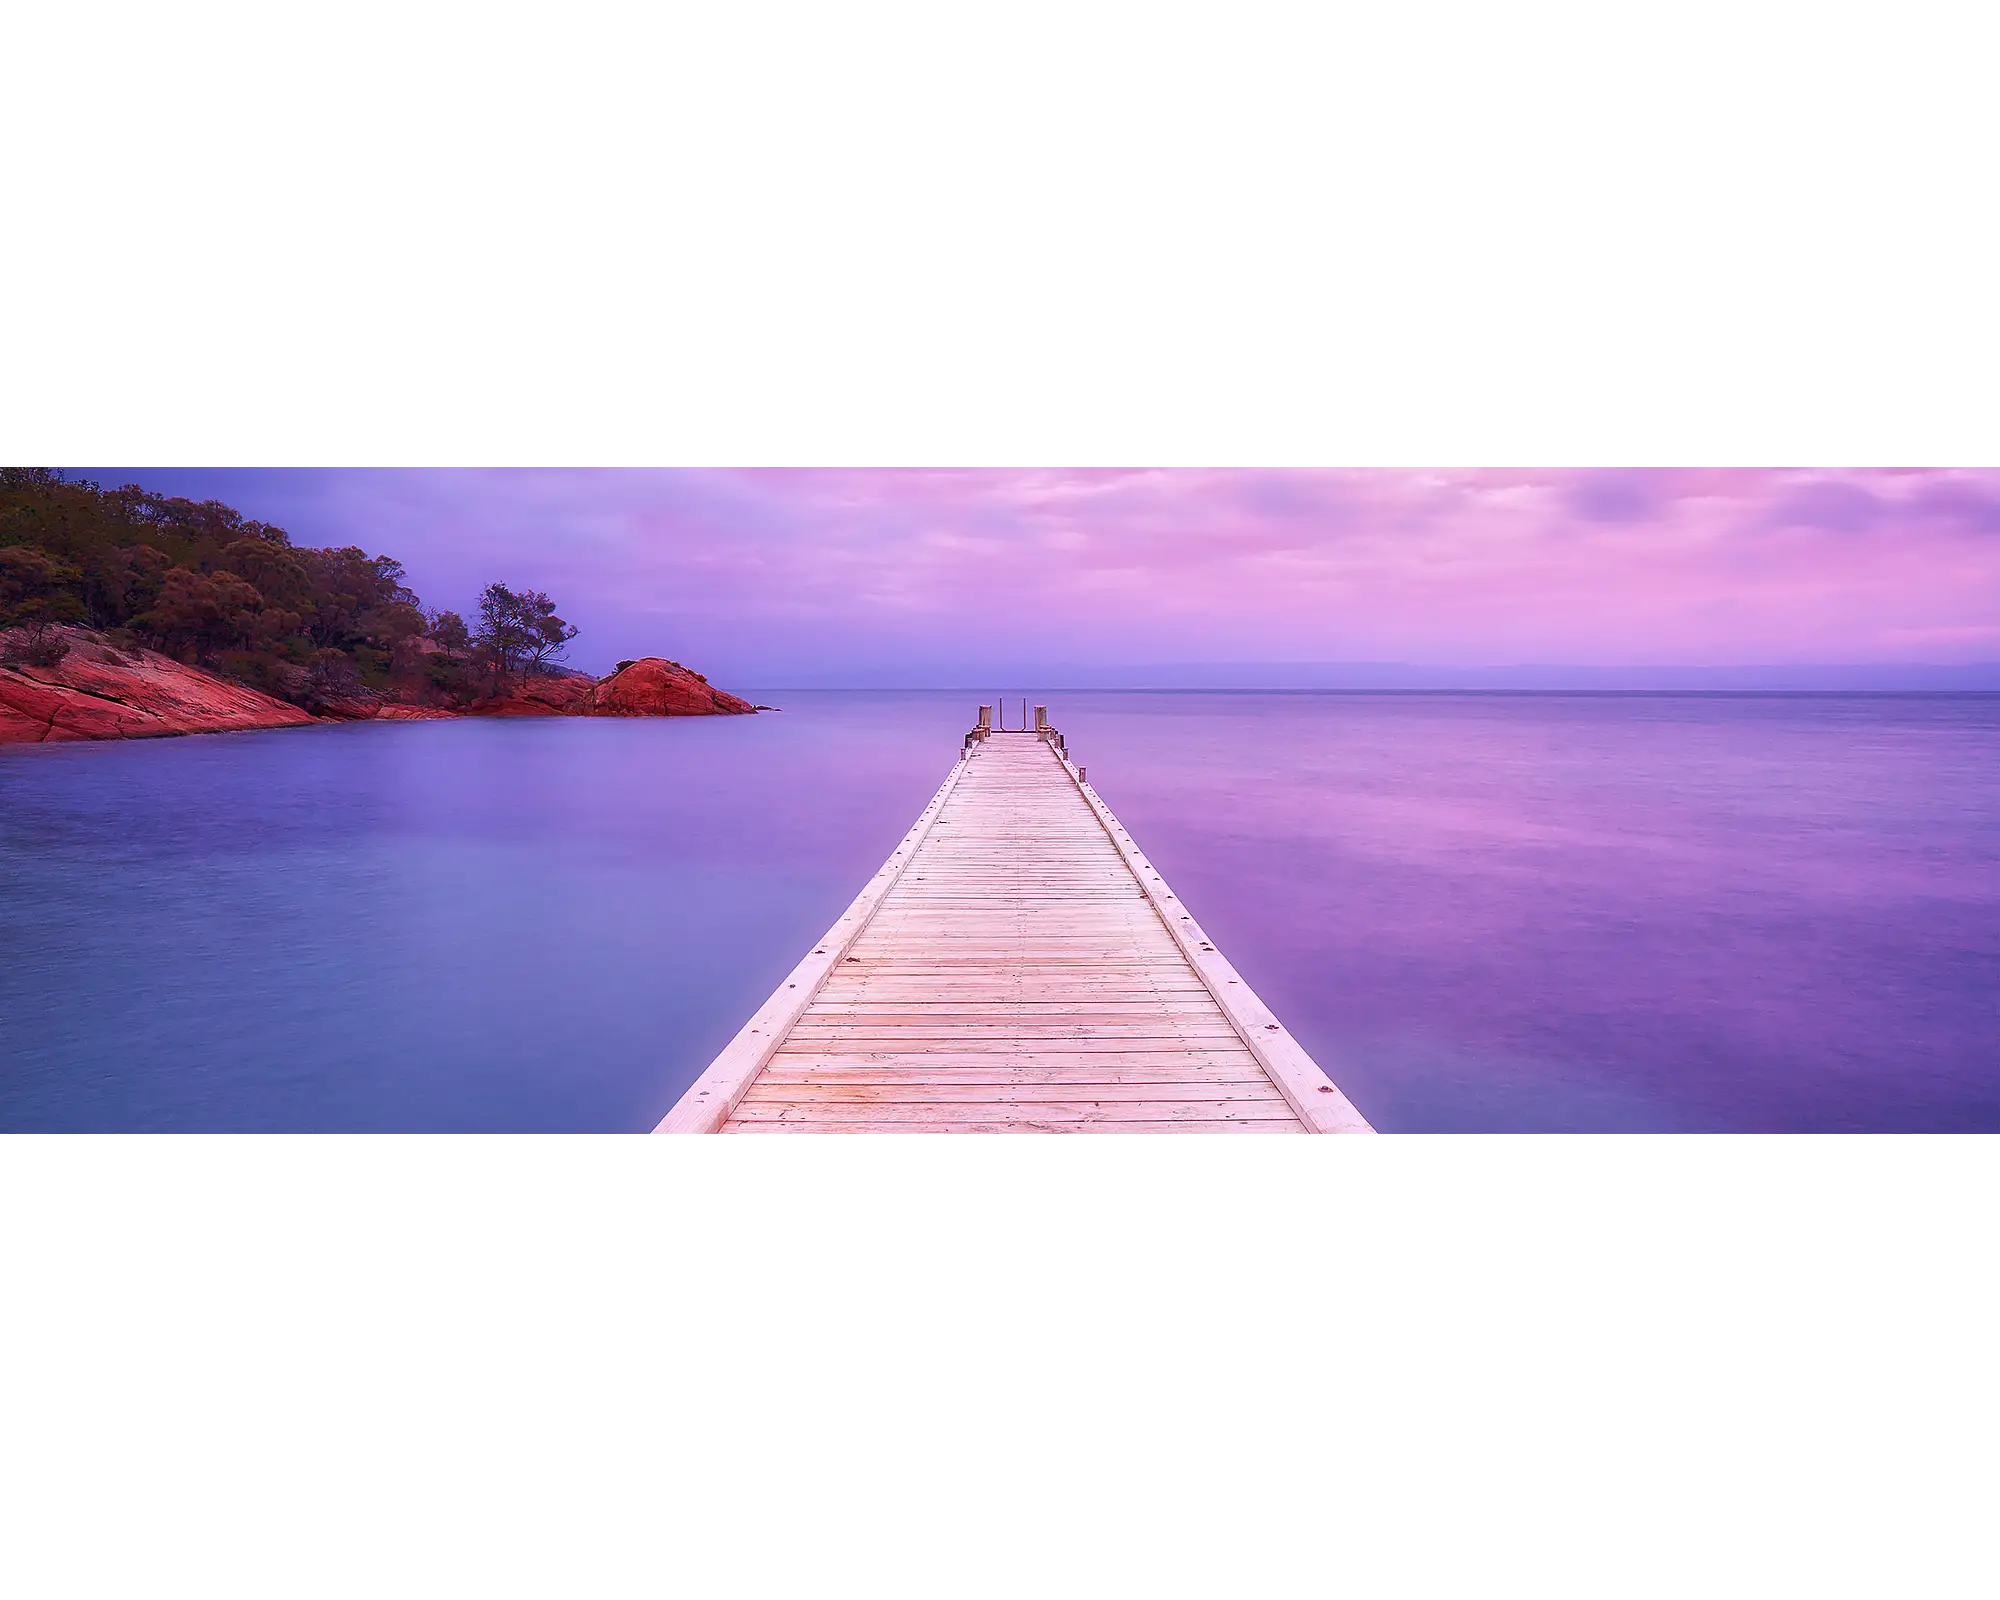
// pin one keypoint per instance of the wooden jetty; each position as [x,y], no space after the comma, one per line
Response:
[1017,966]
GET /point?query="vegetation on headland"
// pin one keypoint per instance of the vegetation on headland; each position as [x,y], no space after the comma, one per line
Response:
[201,583]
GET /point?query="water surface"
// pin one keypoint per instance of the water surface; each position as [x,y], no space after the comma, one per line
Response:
[1588,912]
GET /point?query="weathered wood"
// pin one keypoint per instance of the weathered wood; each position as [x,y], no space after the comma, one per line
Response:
[986,1110]
[1010,1073]
[1034,1092]
[1015,967]
[1221,1064]
[1015,1125]
[1014,1045]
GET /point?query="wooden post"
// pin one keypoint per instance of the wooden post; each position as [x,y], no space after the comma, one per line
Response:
[1041,719]
[985,718]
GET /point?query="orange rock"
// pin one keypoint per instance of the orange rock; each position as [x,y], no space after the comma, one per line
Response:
[95,692]
[536,697]
[351,709]
[372,708]
[656,687]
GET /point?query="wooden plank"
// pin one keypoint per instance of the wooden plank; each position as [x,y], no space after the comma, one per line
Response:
[948,984]
[1010,1073]
[1017,1125]
[1081,1009]
[1108,1111]
[1032,1093]
[1224,1062]
[1056,1031]
[945,1049]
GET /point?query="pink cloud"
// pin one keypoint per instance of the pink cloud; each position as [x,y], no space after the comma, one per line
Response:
[1076,566]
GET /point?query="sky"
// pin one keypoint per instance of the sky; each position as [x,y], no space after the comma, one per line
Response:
[952,576]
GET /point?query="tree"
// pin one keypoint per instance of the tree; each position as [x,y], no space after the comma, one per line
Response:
[201,580]
[343,586]
[449,630]
[330,676]
[36,592]
[519,630]
[122,582]
[389,625]
[500,636]
[195,615]
[274,568]
[548,636]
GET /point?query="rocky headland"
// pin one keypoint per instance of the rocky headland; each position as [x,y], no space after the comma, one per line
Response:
[100,690]
[649,687]
[656,687]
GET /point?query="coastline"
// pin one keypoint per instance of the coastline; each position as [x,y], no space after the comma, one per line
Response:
[101,691]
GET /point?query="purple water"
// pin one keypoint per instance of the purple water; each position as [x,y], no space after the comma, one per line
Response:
[1478,911]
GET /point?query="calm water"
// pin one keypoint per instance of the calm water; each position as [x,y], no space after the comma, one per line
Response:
[1477,911]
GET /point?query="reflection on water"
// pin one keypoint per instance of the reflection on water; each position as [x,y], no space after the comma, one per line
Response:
[1478,911]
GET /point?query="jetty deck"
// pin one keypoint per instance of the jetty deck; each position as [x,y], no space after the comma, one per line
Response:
[1017,966]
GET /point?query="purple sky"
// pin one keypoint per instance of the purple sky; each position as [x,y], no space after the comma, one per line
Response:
[778,576]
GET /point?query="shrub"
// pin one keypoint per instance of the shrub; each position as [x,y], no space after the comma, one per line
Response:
[261,672]
[29,648]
